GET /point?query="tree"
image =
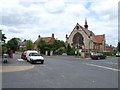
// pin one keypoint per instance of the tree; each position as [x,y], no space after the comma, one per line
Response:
[41,45]
[118,47]
[13,44]
[55,45]
[3,47]
[0,41]
[29,44]
[61,50]
[68,49]
[2,37]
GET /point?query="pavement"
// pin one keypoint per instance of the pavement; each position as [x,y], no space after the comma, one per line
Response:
[15,64]
[15,68]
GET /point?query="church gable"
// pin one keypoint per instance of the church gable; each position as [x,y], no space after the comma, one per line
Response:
[76,29]
[81,38]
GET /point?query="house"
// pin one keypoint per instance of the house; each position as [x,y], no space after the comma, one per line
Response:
[109,48]
[22,45]
[48,40]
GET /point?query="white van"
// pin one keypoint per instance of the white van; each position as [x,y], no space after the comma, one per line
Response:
[34,57]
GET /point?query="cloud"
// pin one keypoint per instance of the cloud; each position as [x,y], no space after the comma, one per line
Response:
[55,6]
[27,19]
[105,7]
[76,10]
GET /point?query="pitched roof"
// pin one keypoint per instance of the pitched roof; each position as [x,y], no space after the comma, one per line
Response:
[46,39]
[99,38]
[95,38]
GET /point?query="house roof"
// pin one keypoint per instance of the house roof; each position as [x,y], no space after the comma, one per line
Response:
[99,38]
[46,39]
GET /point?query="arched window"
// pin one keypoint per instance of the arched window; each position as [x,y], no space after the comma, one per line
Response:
[78,39]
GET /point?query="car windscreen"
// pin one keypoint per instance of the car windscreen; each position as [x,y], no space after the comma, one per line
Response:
[34,54]
[98,54]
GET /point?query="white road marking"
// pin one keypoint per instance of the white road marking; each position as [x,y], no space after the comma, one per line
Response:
[111,63]
[101,67]
[20,60]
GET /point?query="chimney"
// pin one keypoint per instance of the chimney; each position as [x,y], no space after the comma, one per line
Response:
[52,35]
[66,36]
[38,36]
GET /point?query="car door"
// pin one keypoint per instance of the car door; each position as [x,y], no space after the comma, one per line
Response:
[27,56]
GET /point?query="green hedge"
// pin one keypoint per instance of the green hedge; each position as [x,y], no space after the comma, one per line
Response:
[109,53]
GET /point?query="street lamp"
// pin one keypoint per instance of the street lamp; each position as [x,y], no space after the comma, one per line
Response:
[89,42]
[78,45]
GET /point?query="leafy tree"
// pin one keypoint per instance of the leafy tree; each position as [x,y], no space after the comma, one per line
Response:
[3,37]
[0,41]
[4,48]
[61,50]
[118,47]
[29,44]
[41,45]
[68,49]
[0,36]
[55,45]
[13,44]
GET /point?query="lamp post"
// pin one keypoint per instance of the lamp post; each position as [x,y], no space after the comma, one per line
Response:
[89,42]
[78,46]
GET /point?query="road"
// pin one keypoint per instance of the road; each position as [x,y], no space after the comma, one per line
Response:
[61,72]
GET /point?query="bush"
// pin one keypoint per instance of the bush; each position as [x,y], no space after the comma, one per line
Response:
[108,53]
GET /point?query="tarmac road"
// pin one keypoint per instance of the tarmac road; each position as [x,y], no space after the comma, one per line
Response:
[62,72]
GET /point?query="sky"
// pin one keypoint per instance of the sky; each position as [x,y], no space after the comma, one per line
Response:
[26,19]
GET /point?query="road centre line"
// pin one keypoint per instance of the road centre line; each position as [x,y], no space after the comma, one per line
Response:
[101,67]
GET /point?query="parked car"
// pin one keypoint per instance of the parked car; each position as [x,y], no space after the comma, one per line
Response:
[23,55]
[64,54]
[118,54]
[98,56]
[34,57]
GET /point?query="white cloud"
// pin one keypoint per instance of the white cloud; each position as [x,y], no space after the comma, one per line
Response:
[9,4]
[55,6]
[29,19]
[76,10]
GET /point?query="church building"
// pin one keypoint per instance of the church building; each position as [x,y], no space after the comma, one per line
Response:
[85,40]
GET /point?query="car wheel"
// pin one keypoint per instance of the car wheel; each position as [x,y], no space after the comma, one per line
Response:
[31,62]
[5,61]
[98,58]
[42,62]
